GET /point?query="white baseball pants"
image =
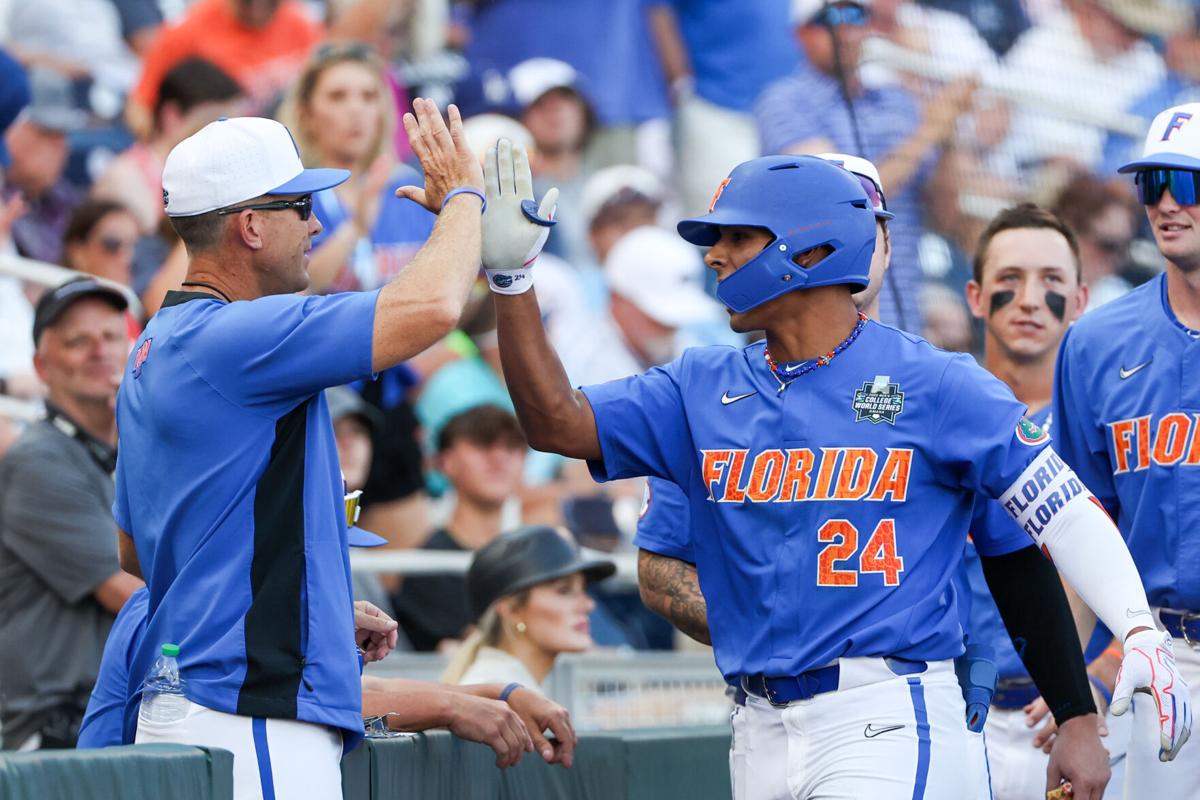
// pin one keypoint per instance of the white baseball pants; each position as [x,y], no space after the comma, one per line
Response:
[273,759]
[880,735]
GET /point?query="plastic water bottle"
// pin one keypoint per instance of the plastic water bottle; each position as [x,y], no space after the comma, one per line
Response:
[162,691]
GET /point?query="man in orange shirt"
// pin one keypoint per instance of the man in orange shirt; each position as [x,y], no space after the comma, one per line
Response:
[262,43]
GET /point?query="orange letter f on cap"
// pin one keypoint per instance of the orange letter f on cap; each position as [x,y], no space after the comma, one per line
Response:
[1175,124]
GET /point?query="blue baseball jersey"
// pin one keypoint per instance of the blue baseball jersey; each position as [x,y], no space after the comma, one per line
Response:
[1127,411]
[103,722]
[228,482]
[826,520]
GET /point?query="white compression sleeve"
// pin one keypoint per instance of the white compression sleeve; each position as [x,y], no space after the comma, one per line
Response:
[1052,505]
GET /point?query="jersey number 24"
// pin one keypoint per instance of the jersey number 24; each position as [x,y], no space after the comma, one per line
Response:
[878,554]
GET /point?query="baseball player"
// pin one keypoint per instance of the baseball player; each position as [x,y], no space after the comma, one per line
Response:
[829,472]
[667,577]
[228,495]
[1127,417]
[1027,289]
[1035,254]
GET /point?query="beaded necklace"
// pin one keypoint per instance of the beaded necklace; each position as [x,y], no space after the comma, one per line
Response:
[820,360]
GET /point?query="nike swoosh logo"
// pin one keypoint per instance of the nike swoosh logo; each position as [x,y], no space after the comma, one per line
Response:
[1126,373]
[1131,614]
[871,731]
[726,399]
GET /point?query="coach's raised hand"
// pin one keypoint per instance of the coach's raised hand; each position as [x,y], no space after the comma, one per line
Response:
[446,159]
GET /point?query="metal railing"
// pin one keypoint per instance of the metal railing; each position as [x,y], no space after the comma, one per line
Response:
[432,562]
[610,689]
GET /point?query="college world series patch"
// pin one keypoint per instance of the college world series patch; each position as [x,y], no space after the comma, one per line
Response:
[878,401]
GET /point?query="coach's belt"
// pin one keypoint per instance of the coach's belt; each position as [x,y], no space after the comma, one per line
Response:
[781,690]
[1182,625]
[1014,693]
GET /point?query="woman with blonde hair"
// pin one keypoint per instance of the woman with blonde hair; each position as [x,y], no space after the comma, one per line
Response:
[342,111]
[528,593]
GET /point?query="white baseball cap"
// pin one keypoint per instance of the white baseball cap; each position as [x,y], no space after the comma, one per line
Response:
[660,274]
[1173,140]
[533,77]
[610,183]
[863,169]
[236,159]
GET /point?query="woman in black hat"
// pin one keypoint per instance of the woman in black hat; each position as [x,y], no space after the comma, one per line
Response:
[528,594]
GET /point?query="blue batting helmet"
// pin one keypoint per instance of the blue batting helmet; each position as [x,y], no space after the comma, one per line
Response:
[805,202]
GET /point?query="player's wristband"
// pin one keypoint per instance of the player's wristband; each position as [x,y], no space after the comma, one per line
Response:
[510,281]
[1101,688]
[466,190]
[508,690]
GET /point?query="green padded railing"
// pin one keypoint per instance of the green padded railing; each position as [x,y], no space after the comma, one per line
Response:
[650,764]
[142,772]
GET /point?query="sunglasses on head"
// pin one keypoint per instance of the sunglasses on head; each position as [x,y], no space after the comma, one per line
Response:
[874,194]
[302,205]
[1183,183]
[843,14]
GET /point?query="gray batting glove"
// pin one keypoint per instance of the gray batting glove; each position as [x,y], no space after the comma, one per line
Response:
[515,228]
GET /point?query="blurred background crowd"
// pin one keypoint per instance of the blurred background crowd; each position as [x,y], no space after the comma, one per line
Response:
[636,110]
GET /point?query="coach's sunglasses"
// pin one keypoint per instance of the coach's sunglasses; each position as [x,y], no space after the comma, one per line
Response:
[303,206]
[1183,183]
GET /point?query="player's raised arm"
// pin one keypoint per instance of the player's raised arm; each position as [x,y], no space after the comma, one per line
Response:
[556,417]
[424,302]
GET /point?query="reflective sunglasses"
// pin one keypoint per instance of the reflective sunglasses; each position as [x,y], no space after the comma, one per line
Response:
[303,206]
[874,193]
[1183,183]
[844,14]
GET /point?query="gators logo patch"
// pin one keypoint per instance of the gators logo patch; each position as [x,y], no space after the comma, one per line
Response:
[1029,433]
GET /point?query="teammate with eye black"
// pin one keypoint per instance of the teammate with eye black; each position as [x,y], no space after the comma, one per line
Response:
[1027,289]
[830,472]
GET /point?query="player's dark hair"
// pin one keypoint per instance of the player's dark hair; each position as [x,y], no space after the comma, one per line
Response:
[1024,215]
[192,82]
[199,232]
[484,425]
[88,215]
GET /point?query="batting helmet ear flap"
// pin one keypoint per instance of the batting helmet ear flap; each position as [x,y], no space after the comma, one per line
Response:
[805,202]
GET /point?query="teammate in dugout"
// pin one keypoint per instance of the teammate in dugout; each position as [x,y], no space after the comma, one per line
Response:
[1127,411]
[228,492]
[830,472]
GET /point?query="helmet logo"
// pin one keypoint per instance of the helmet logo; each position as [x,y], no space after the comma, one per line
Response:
[717,194]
